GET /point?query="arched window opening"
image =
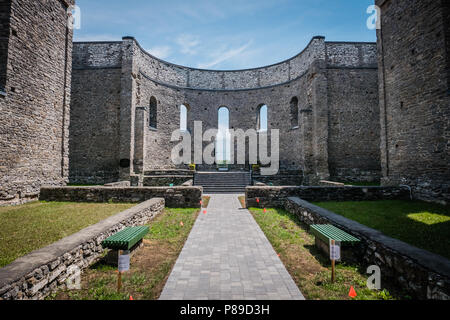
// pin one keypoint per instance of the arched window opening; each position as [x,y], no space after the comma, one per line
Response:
[184,117]
[223,154]
[153,119]
[294,113]
[262,124]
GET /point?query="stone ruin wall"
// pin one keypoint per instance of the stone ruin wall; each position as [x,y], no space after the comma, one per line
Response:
[354,128]
[95,113]
[5,14]
[415,97]
[315,77]
[35,105]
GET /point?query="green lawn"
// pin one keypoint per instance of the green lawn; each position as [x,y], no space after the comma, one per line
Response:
[150,265]
[309,267]
[35,225]
[421,224]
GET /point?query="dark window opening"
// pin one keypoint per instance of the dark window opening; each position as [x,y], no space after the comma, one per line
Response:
[153,118]
[125,163]
[294,113]
[5,15]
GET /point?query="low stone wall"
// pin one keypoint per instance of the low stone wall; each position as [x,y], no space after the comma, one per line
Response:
[420,273]
[272,197]
[176,197]
[326,183]
[163,181]
[283,178]
[188,183]
[18,199]
[119,184]
[43,271]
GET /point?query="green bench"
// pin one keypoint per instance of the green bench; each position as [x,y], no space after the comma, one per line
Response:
[125,239]
[326,232]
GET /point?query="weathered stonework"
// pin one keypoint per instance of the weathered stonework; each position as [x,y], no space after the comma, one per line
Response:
[273,197]
[35,69]
[5,14]
[283,178]
[176,197]
[421,274]
[414,91]
[120,79]
[36,275]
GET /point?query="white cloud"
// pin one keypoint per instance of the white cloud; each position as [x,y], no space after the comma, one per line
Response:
[221,56]
[188,43]
[161,52]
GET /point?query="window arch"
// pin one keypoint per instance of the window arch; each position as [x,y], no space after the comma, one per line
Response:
[153,118]
[184,111]
[223,136]
[294,113]
[262,123]
[224,118]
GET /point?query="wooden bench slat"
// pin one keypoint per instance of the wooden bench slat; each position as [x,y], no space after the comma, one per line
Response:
[329,232]
[125,239]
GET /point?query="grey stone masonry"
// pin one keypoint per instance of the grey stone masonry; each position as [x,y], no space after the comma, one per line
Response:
[118,84]
[424,275]
[228,257]
[175,197]
[414,89]
[272,197]
[35,73]
[43,271]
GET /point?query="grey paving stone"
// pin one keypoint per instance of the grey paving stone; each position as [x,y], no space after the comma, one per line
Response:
[228,257]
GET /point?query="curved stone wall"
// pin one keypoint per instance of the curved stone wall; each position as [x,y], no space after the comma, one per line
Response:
[318,77]
[165,72]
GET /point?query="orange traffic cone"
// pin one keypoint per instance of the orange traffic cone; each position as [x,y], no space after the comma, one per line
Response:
[131,298]
[352,293]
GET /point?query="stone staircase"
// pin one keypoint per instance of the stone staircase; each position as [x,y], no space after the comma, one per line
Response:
[223,182]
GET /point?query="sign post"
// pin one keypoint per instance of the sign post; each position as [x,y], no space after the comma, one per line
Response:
[124,265]
[335,254]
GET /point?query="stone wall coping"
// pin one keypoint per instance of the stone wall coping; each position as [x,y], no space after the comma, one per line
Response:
[321,187]
[27,264]
[281,84]
[431,261]
[225,71]
[286,61]
[123,188]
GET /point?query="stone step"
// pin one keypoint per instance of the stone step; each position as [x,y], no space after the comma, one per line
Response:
[223,190]
[223,182]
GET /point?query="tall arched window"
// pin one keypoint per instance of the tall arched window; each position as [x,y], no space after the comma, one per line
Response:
[153,119]
[223,153]
[294,113]
[262,118]
[183,117]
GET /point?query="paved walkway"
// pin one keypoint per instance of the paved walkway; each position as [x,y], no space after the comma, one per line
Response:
[228,257]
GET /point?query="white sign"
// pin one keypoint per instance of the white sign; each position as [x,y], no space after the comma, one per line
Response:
[335,250]
[124,262]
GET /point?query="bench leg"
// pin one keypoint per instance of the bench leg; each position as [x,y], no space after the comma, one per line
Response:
[324,247]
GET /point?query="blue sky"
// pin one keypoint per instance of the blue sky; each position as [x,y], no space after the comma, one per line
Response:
[224,34]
